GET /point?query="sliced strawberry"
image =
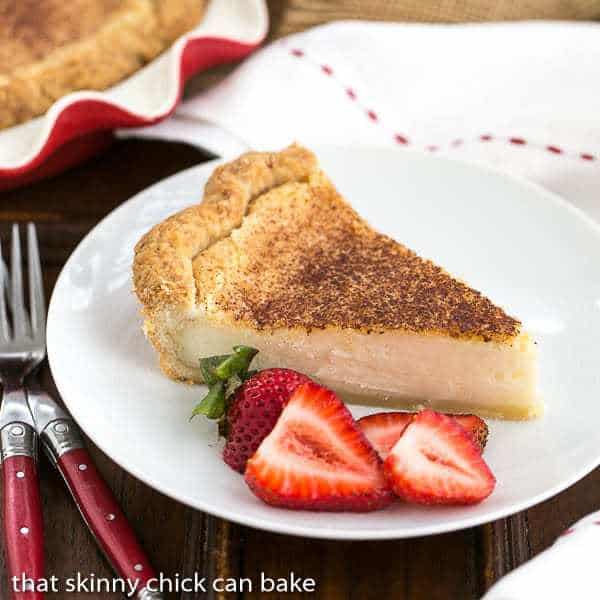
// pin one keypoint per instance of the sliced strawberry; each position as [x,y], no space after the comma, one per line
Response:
[316,458]
[384,429]
[476,427]
[254,410]
[436,461]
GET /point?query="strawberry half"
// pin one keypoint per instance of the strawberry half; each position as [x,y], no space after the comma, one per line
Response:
[246,403]
[476,427]
[436,461]
[384,429]
[316,458]
[254,410]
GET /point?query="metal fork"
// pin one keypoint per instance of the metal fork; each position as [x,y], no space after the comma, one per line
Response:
[22,348]
[28,413]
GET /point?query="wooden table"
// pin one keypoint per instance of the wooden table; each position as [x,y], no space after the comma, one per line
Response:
[456,566]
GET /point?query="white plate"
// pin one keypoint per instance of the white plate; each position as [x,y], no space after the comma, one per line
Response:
[523,247]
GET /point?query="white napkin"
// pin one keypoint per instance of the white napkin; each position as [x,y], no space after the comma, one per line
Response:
[568,569]
[441,88]
[524,98]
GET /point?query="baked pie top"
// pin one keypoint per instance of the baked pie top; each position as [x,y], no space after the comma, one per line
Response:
[273,245]
[49,48]
[32,29]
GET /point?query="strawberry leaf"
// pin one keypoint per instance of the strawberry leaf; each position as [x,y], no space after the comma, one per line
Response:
[213,404]
[223,374]
[208,366]
[236,363]
[250,373]
[232,384]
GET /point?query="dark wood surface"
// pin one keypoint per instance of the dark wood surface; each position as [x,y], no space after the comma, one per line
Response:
[179,540]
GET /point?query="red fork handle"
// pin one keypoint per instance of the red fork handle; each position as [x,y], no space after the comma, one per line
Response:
[22,511]
[105,519]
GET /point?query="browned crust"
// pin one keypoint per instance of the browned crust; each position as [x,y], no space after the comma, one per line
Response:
[49,48]
[162,268]
[302,258]
[309,261]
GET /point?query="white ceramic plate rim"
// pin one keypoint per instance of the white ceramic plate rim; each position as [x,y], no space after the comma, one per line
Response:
[325,532]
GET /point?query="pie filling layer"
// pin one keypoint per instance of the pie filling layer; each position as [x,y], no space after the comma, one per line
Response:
[403,370]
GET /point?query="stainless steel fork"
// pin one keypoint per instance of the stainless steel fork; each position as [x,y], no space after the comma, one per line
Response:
[22,348]
[28,412]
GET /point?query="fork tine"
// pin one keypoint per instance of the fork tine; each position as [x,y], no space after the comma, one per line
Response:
[4,326]
[16,286]
[37,304]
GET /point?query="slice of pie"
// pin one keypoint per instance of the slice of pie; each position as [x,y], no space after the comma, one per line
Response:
[273,257]
[49,48]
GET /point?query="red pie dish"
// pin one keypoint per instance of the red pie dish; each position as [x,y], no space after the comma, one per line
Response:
[79,124]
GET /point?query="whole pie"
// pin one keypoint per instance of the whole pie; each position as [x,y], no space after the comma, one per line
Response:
[273,257]
[49,48]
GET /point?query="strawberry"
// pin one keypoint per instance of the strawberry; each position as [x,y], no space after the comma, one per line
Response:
[384,429]
[246,403]
[476,427]
[254,410]
[436,461]
[316,458]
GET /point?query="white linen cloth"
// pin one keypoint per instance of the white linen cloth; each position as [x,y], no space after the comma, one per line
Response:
[568,569]
[524,98]
[441,88]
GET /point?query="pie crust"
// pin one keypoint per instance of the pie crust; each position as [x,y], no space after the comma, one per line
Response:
[163,271]
[49,48]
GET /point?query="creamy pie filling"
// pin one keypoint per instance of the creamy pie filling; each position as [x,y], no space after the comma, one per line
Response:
[403,370]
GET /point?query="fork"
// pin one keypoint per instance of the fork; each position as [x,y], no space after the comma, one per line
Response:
[21,350]
[28,413]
